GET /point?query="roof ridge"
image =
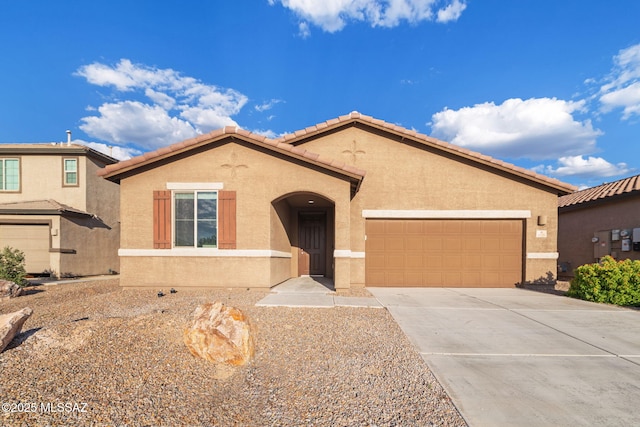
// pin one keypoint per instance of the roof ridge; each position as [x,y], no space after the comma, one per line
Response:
[412,133]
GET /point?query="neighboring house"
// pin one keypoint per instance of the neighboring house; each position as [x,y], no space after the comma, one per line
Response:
[599,221]
[57,210]
[356,199]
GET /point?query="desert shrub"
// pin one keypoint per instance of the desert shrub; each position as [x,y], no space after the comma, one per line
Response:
[610,281]
[12,266]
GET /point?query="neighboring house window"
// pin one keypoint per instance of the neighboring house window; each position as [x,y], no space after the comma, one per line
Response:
[70,171]
[198,219]
[9,174]
[195,219]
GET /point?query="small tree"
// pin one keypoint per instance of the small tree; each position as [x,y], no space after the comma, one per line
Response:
[12,266]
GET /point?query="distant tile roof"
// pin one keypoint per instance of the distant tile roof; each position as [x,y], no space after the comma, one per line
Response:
[37,207]
[288,143]
[55,148]
[621,187]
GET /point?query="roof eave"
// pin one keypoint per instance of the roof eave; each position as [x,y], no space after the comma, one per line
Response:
[117,173]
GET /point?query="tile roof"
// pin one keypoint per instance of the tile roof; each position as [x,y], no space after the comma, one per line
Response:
[55,148]
[289,144]
[48,206]
[261,140]
[600,192]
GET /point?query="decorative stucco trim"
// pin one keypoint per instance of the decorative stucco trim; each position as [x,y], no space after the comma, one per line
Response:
[461,214]
[543,255]
[346,253]
[195,185]
[189,252]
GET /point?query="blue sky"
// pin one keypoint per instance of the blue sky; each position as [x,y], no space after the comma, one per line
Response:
[549,85]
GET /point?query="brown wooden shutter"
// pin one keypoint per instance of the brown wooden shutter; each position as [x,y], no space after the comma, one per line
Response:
[226,220]
[162,219]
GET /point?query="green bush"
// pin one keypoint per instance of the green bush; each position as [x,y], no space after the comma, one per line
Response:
[610,281]
[12,266]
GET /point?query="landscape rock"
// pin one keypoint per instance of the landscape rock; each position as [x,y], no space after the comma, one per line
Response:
[220,334]
[11,325]
[9,289]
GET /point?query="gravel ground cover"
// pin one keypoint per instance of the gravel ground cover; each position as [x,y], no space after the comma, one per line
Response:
[95,354]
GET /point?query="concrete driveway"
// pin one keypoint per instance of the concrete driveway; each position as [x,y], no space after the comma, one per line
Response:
[514,357]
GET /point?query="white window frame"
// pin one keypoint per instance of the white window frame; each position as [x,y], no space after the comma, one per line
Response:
[195,222]
[4,174]
[65,182]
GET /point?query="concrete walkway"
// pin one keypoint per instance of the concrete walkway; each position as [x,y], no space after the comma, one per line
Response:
[512,357]
[312,292]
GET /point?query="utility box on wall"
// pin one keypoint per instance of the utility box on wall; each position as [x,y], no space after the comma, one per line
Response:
[636,239]
[601,244]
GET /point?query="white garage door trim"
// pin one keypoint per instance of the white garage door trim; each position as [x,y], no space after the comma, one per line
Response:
[444,214]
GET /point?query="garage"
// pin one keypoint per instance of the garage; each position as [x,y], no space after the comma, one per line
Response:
[484,253]
[32,239]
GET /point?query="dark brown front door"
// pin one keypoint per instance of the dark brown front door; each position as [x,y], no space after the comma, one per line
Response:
[312,240]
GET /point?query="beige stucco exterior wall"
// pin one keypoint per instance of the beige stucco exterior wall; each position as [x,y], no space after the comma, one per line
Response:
[405,176]
[259,178]
[579,226]
[41,179]
[79,245]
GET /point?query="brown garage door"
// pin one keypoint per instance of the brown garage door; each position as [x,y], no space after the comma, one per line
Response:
[33,240]
[446,253]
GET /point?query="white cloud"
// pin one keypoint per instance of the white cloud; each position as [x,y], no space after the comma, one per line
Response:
[536,128]
[333,15]
[175,107]
[147,126]
[622,87]
[115,151]
[303,29]
[579,166]
[268,133]
[452,12]
[267,105]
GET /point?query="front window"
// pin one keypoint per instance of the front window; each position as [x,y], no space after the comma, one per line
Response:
[9,174]
[195,219]
[70,171]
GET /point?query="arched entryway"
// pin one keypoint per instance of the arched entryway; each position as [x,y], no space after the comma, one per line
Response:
[308,221]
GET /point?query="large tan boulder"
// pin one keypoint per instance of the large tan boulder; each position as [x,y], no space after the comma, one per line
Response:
[11,325]
[9,289]
[220,334]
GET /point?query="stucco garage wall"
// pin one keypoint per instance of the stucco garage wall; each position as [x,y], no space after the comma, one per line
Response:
[578,226]
[402,175]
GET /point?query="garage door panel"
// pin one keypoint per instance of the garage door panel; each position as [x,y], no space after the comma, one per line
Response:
[394,227]
[452,227]
[31,239]
[394,262]
[395,244]
[413,278]
[413,244]
[433,244]
[483,253]
[413,262]
[414,227]
[452,243]
[452,262]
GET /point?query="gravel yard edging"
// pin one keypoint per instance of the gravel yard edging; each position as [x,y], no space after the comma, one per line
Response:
[120,353]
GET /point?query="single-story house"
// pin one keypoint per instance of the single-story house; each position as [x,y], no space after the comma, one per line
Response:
[355,199]
[599,221]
